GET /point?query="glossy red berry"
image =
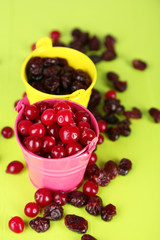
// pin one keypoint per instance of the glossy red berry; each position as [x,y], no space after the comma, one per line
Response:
[110,94]
[58,106]
[33,143]
[93,157]
[82,116]
[60,197]
[58,152]
[48,143]
[14,167]
[42,106]
[43,197]
[100,139]
[87,136]
[64,117]
[55,35]
[31,209]
[33,47]
[111,169]
[16,224]
[31,112]
[102,126]
[37,129]
[90,188]
[73,148]
[7,132]
[69,134]
[83,125]
[48,117]
[23,127]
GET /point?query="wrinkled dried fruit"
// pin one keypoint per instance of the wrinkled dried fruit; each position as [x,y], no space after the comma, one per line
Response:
[40,224]
[94,205]
[124,167]
[87,237]
[108,212]
[111,169]
[53,212]
[77,199]
[155,113]
[76,223]
[113,133]
[138,64]
[102,178]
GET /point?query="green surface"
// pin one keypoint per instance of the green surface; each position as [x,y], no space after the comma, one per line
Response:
[136,27]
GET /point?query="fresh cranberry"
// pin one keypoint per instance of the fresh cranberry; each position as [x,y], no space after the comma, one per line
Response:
[112,76]
[58,152]
[32,112]
[60,197]
[90,188]
[31,209]
[33,143]
[83,125]
[60,143]
[48,117]
[33,47]
[64,117]
[111,169]
[94,205]
[55,35]
[53,212]
[69,134]
[61,106]
[113,134]
[14,167]
[138,64]
[38,120]
[124,167]
[87,237]
[24,94]
[23,127]
[87,136]
[100,139]
[108,212]
[93,158]
[82,116]
[53,130]
[77,199]
[110,94]
[48,143]
[42,106]
[16,224]
[43,197]
[73,148]
[101,179]
[102,126]
[37,129]
[40,224]
[155,113]
[7,132]
[76,223]
[120,85]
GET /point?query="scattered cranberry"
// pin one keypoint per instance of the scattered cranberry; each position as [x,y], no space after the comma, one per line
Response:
[16,224]
[102,126]
[58,152]
[73,148]
[76,223]
[69,134]
[101,179]
[31,209]
[48,117]
[120,85]
[94,99]
[92,169]
[33,47]
[100,139]
[53,212]
[155,113]
[113,133]
[33,143]
[43,197]
[110,94]
[112,76]
[40,224]
[111,119]
[14,167]
[112,106]
[109,42]
[87,237]
[7,132]
[123,129]
[138,64]
[111,169]
[124,166]
[108,55]
[93,158]
[94,205]
[55,35]
[135,113]
[36,129]
[90,188]
[94,44]
[77,199]
[31,112]
[48,143]
[108,212]
[23,127]
[16,103]
[60,197]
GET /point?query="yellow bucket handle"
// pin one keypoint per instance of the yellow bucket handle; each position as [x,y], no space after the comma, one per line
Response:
[45,42]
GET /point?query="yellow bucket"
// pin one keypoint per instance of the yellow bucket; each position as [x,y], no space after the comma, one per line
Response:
[75,59]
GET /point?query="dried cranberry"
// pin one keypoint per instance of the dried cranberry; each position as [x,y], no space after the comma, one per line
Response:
[124,167]
[14,167]
[96,113]
[102,179]
[53,212]
[111,119]
[108,55]
[123,129]
[112,76]
[94,43]
[76,223]
[135,113]
[111,169]
[120,85]
[138,64]
[112,105]
[95,58]
[113,134]
[92,169]
[94,99]
[77,199]
[108,212]
[34,68]
[87,237]
[155,113]
[109,42]
[40,224]
[94,205]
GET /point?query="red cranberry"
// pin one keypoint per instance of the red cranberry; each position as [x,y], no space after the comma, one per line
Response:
[83,125]
[31,112]
[87,136]
[16,224]
[53,212]
[138,64]
[93,158]
[111,119]
[31,209]
[108,212]
[58,152]
[60,143]
[73,148]
[33,143]
[87,237]
[113,134]
[48,143]
[53,130]
[155,113]
[7,132]
[82,116]
[120,85]
[111,169]
[40,224]
[110,94]
[100,139]
[77,199]
[109,42]
[23,127]
[90,188]
[43,197]
[38,120]
[33,47]
[112,76]
[108,55]
[64,117]
[37,129]
[48,117]
[42,106]
[58,106]
[94,205]
[123,129]
[76,223]
[69,134]
[55,35]
[14,167]
[60,197]
[124,166]
[102,126]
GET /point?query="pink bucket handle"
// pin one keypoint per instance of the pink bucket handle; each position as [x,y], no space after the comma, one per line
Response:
[21,104]
[92,145]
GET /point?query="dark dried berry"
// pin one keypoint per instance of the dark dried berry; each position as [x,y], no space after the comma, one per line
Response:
[92,169]
[108,55]
[123,129]
[95,58]
[155,113]
[94,205]
[47,62]
[102,178]
[95,113]
[40,224]
[111,169]
[135,113]
[53,212]
[113,134]
[111,119]
[77,199]
[108,212]
[112,76]
[87,237]
[124,166]
[109,42]
[120,85]
[94,99]
[138,64]
[112,105]
[94,44]
[58,44]
[76,223]
[34,68]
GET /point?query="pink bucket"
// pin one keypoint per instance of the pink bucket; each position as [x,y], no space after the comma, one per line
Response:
[64,174]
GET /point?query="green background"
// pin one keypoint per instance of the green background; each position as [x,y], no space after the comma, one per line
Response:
[135,24]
